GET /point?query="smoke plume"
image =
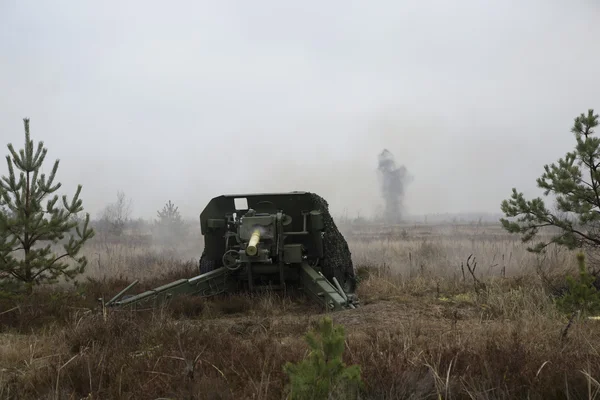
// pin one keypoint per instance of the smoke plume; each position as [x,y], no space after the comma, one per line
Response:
[393,181]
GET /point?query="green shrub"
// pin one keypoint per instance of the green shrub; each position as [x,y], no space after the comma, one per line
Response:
[582,296]
[323,374]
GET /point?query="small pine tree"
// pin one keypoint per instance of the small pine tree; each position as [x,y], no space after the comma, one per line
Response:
[169,215]
[26,222]
[170,227]
[323,374]
[582,295]
[575,182]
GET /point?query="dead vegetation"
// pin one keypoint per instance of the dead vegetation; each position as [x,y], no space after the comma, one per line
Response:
[425,330]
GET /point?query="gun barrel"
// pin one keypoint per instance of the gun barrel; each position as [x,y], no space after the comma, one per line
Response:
[251,249]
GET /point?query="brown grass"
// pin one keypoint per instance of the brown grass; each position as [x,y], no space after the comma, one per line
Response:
[423,331]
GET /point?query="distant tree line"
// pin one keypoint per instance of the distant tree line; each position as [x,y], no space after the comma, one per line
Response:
[115,221]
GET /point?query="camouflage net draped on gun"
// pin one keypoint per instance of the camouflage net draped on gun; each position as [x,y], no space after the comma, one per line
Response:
[337,260]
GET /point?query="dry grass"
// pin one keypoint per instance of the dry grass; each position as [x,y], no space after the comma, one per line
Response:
[423,330]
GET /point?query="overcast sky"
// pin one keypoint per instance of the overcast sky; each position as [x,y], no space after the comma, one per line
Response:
[186,100]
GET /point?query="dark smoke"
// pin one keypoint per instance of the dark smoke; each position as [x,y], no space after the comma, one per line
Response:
[393,183]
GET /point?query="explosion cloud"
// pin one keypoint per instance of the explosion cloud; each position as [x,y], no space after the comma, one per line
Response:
[393,181]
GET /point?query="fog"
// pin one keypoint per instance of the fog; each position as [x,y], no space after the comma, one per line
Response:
[187,100]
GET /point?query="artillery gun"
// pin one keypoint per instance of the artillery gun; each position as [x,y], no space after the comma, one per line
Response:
[266,241]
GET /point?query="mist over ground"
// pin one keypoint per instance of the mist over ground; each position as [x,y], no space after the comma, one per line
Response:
[186,100]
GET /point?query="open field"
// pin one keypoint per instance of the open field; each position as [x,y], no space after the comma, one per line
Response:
[424,330]
[368,155]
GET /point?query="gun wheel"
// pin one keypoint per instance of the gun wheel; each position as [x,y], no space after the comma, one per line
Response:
[230,259]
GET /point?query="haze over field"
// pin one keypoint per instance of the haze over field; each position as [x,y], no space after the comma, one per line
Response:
[187,100]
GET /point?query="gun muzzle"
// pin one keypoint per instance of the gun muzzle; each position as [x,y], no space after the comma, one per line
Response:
[252,243]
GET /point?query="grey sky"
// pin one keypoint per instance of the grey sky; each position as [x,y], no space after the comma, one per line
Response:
[186,100]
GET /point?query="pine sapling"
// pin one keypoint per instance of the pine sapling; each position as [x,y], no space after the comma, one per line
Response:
[582,296]
[29,228]
[170,227]
[323,374]
[574,181]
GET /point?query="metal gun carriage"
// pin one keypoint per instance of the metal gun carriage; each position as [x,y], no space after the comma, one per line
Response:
[266,241]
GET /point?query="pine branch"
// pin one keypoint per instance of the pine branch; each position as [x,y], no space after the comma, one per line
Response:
[50,265]
[574,195]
